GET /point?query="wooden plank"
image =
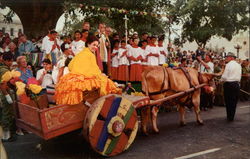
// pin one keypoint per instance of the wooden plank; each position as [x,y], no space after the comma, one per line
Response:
[29,115]
[106,106]
[96,132]
[119,146]
[46,136]
[104,135]
[154,102]
[65,115]
[115,144]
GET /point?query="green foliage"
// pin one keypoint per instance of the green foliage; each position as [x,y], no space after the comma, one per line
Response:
[203,19]
[113,14]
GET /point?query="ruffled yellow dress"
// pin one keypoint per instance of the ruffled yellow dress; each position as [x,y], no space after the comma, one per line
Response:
[84,75]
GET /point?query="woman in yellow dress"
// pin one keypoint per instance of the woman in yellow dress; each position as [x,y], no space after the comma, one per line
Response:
[84,75]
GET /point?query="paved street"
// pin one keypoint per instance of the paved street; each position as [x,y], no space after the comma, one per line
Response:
[217,139]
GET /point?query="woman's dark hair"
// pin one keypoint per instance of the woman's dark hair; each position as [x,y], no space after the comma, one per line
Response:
[90,39]
[53,32]
[116,42]
[63,48]
[183,60]
[78,32]
[123,41]
[46,61]
[8,56]
[67,61]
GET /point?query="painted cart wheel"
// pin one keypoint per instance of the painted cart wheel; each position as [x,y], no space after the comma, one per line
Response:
[111,125]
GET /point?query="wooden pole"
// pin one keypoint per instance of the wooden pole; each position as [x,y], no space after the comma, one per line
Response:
[154,102]
[126,39]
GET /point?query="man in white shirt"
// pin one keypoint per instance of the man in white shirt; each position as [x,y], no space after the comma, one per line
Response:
[77,44]
[231,76]
[206,66]
[51,47]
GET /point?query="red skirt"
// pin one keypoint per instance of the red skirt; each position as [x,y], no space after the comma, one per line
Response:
[114,73]
[123,74]
[135,72]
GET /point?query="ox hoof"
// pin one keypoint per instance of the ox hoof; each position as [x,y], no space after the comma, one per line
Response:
[156,132]
[182,124]
[145,133]
[200,122]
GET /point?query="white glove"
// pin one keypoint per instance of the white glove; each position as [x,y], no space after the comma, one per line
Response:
[8,98]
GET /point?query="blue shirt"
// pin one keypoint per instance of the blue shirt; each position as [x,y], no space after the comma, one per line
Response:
[25,75]
[26,47]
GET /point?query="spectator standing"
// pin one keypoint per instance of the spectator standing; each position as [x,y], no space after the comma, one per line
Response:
[13,50]
[51,47]
[231,76]
[77,44]
[7,113]
[25,47]
[86,26]
[206,67]
[85,34]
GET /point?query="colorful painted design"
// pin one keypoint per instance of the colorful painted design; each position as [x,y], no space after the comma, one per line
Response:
[111,131]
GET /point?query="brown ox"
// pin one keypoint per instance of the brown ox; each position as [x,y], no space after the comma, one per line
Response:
[159,82]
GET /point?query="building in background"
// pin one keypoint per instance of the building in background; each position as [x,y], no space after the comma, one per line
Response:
[217,43]
[11,28]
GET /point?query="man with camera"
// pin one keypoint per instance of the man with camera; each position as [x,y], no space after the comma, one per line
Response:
[44,75]
[206,66]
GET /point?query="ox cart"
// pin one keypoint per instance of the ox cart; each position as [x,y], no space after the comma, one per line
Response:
[109,124]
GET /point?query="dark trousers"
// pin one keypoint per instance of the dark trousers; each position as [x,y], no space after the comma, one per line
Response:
[206,100]
[231,94]
[105,67]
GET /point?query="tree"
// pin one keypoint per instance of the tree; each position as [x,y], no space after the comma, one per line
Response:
[112,13]
[37,16]
[203,19]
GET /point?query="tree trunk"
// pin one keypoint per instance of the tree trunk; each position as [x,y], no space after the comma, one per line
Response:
[37,16]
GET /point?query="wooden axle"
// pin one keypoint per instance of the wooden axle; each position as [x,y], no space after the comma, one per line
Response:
[154,102]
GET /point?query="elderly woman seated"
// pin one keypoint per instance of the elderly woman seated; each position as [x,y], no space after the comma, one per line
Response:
[26,73]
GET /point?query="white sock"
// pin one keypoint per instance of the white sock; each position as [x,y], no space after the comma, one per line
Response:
[6,135]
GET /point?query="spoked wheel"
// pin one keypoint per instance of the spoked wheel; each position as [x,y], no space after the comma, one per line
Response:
[111,125]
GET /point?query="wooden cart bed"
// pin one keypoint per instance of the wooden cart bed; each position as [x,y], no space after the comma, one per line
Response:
[51,122]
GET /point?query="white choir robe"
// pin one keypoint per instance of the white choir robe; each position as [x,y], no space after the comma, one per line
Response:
[152,60]
[162,57]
